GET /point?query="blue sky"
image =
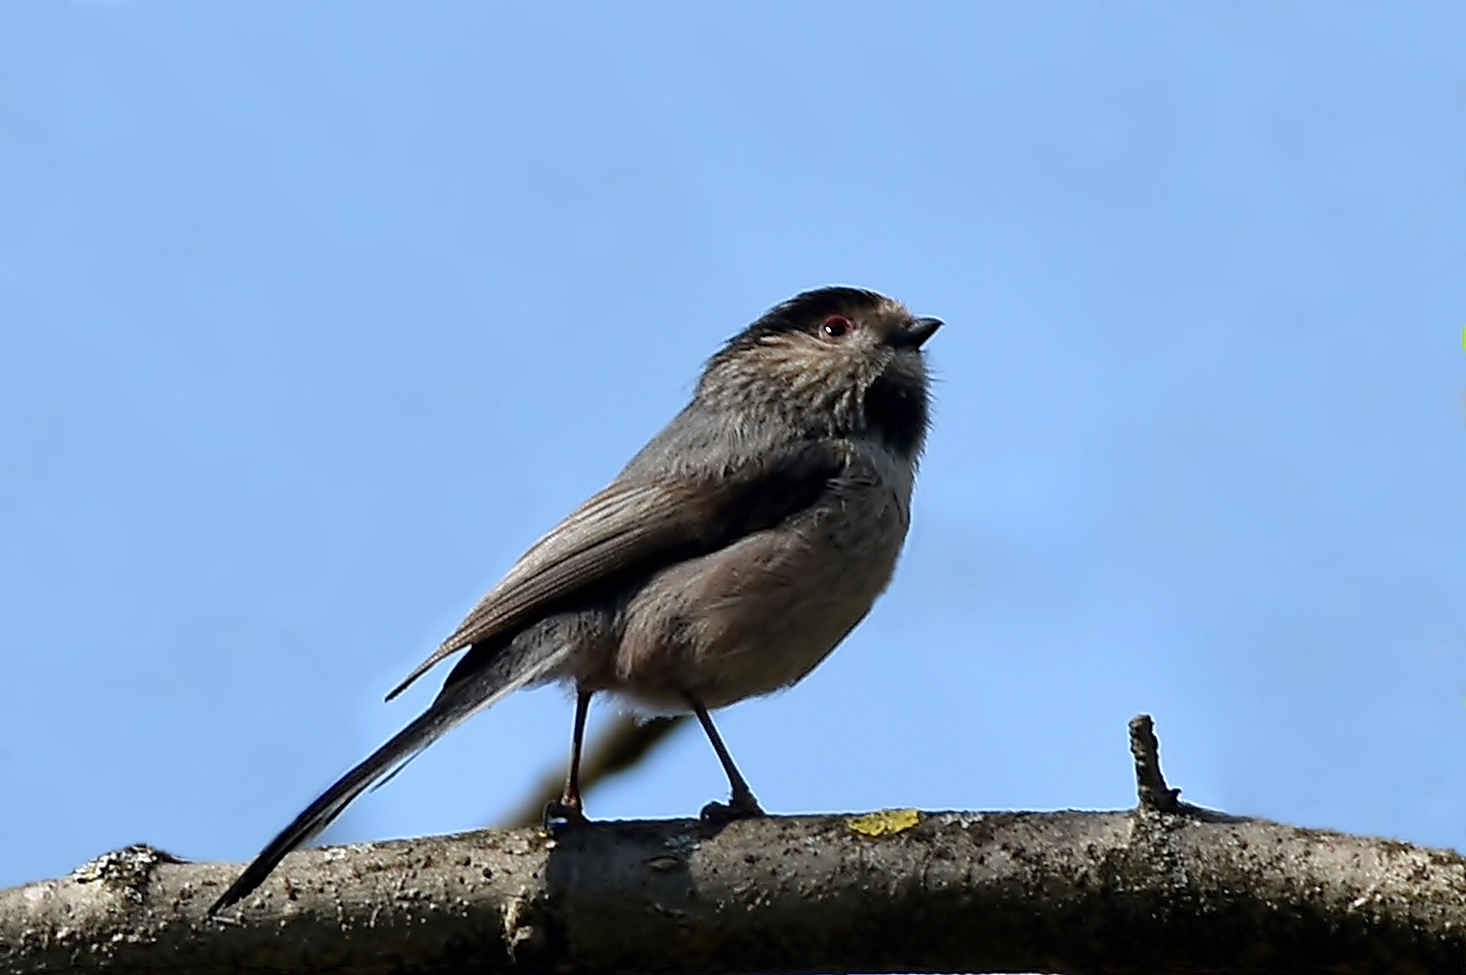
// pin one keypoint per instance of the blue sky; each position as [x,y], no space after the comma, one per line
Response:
[313,317]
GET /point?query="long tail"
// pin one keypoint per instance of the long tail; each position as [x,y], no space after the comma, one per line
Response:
[457,702]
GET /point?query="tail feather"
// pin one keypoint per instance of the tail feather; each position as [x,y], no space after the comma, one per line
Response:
[455,704]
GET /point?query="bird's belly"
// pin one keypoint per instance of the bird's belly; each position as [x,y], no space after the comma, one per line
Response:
[760,614]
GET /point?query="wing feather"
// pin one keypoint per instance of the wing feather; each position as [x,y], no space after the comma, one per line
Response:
[640,526]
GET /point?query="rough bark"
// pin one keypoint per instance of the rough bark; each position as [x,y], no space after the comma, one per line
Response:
[1147,890]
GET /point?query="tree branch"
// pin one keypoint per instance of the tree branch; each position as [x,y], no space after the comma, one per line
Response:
[1119,892]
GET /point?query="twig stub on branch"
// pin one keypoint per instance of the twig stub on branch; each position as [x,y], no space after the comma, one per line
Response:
[1149,781]
[1155,795]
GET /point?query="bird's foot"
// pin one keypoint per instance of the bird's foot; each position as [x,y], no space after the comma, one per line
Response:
[740,806]
[563,815]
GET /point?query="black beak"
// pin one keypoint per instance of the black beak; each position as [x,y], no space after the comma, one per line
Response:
[915,333]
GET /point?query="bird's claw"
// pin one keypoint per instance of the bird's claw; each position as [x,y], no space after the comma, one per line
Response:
[563,815]
[739,807]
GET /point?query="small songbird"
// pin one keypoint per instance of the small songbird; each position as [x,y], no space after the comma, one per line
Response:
[727,560]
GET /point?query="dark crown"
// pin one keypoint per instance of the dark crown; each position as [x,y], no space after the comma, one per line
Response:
[804,311]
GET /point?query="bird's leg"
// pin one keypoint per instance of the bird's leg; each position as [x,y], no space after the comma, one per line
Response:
[742,804]
[569,808]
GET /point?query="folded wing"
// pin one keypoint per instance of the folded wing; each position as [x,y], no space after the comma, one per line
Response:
[635,528]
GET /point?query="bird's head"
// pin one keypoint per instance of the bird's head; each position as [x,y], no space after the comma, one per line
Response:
[830,362]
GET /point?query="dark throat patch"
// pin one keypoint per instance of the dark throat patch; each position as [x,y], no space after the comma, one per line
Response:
[896,409]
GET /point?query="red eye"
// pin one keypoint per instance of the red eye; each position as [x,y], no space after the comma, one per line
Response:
[836,326]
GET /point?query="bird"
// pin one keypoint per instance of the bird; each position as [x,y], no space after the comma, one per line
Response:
[725,561]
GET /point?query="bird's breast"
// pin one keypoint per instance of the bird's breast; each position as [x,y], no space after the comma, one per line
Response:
[760,613]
